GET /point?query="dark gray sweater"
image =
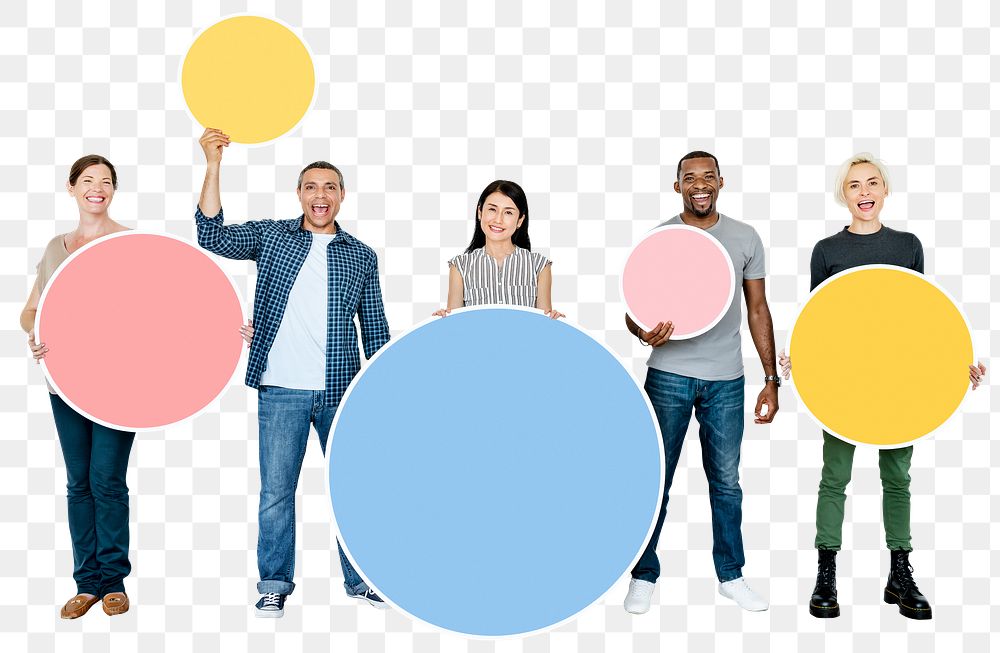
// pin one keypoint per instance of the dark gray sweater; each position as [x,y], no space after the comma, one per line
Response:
[846,250]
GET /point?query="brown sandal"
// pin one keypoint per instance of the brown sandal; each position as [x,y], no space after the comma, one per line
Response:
[77,606]
[115,603]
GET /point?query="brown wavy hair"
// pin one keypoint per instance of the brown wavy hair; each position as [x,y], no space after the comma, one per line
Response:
[85,162]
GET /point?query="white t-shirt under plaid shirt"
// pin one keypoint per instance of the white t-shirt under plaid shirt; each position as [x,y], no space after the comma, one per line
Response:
[513,282]
[280,247]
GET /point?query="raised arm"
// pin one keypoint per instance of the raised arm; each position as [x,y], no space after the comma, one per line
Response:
[240,241]
[212,142]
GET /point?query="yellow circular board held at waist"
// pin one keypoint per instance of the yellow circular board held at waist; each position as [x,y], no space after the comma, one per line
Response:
[249,76]
[880,355]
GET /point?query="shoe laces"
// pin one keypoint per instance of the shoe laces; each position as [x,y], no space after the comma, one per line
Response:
[827,576]
[904,573]
[641,589]
[370,596]
[741,586]
[272,600]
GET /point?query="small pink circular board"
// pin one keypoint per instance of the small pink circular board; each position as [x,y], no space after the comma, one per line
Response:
[680,274]
[142,330]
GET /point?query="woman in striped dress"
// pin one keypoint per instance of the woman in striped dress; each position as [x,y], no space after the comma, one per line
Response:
[498,267]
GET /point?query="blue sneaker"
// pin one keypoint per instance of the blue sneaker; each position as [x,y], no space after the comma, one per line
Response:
[270,605]
[371,598]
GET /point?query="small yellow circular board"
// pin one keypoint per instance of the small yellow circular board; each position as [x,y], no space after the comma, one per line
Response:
[249,76]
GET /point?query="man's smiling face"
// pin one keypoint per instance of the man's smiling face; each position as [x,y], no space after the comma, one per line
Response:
[699,184]
[320,195]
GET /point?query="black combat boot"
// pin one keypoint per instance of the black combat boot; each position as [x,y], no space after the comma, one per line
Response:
[823,603]
[902,590]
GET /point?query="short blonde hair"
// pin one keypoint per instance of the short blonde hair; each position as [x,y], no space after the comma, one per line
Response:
[845,168]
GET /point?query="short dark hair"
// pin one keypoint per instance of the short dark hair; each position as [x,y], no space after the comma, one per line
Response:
[85,162]
[322,165]
[697,154]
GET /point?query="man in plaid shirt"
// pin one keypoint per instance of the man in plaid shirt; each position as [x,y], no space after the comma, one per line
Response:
[312,279]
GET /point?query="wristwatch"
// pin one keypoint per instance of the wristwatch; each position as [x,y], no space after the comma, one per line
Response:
[773,377]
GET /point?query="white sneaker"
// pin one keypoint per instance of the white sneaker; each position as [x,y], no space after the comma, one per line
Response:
[738,590]
[640,595]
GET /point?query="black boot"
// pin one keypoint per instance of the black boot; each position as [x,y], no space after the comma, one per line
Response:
[902,590]
[823,603]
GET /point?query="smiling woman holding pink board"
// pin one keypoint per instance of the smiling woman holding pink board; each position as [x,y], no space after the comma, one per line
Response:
[96,456]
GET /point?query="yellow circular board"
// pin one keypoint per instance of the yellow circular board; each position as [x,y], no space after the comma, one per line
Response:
[249,76]
[880,355]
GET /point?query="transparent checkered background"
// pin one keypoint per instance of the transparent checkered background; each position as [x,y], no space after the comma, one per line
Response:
[588,105]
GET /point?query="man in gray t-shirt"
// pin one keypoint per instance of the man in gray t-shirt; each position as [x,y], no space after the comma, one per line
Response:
[704,374]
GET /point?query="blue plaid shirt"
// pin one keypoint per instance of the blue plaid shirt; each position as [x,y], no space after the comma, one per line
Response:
[280,247]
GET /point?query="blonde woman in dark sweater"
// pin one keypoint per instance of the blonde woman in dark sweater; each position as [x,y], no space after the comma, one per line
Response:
[862,185]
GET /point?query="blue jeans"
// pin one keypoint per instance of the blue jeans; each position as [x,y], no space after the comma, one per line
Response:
[718,407]
[284,417]
[96,462]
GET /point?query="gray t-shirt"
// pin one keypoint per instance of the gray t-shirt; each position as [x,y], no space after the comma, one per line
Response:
[716,354]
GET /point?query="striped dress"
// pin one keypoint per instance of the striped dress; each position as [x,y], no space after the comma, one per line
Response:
[514,282]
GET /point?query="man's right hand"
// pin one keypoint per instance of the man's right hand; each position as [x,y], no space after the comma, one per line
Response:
[658,336]
[212,142]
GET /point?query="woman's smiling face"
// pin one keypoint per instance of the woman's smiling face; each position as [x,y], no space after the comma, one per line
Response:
[499,217]
[864,190]
[94,189]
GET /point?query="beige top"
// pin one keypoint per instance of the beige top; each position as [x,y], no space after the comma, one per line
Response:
[55,254]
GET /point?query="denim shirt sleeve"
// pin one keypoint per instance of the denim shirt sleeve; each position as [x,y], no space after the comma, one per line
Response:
[235,241]
[371,314]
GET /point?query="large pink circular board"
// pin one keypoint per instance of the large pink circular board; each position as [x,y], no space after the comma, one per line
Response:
[142,330]
[679,274]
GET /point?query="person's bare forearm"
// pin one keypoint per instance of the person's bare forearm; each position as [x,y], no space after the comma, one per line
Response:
[210,201]
[30,309]
[632,327]
[27,320]
[762,332]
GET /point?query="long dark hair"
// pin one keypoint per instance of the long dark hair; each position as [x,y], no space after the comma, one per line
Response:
[516,195]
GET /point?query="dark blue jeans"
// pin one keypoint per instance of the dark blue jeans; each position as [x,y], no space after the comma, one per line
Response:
[718,407]
[96,462]
[284,418]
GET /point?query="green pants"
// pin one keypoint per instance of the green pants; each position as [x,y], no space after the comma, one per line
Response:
[894,468]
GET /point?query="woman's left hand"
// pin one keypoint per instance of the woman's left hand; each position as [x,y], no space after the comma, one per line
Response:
[554,314]
[246,331]
[785,361]
[976,374]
